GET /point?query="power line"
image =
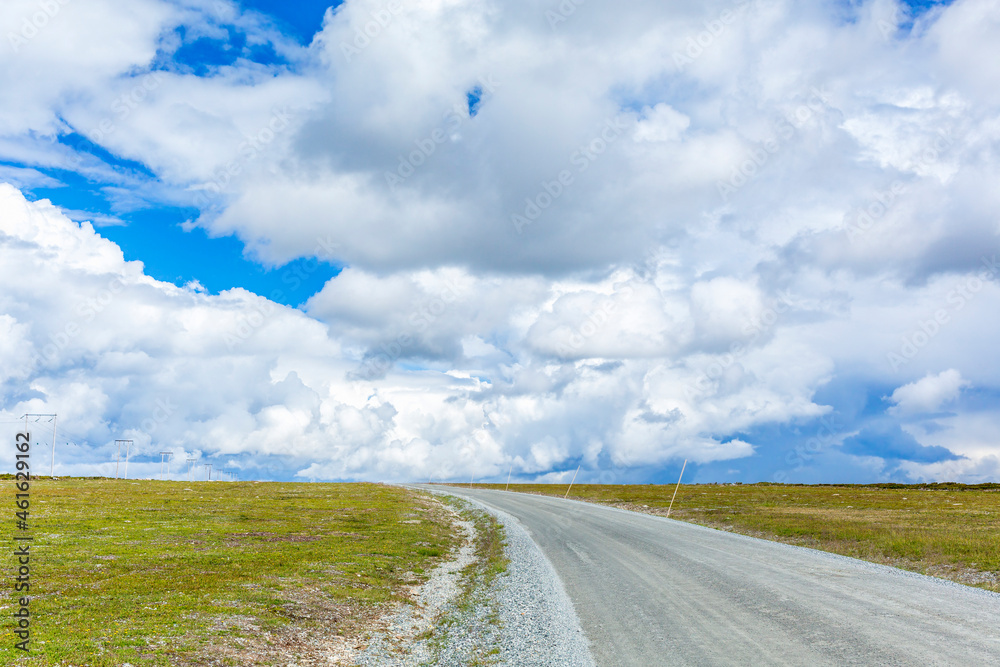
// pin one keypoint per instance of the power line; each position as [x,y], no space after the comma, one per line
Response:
[52,465]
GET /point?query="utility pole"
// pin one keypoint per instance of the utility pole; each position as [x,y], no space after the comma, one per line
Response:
[52,466]
[167,455]
[208,469]
[128,448]
[118,447]
[190,463]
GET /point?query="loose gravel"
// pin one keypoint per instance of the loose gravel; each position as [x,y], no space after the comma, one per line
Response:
[524,618]
[538,625]
[403,640]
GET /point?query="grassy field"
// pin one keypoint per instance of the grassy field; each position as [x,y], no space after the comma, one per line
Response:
[214,573]
[948,530]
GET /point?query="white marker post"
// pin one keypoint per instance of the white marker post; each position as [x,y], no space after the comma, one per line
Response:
[676,487]
[507,488]
[573,480]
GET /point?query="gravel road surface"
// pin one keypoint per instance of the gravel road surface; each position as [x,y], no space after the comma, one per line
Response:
[653,591]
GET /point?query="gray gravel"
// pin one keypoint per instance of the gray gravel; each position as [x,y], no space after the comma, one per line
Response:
[538,625]
[397,644]
[523,619]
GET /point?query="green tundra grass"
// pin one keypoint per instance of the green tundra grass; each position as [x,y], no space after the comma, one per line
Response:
[946,530]
[214,573]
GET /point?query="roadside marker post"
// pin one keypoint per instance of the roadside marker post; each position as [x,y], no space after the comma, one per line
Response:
[676,487]
[573,480]
[507,488]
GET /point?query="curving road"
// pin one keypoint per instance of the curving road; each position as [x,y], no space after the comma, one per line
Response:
[653,591]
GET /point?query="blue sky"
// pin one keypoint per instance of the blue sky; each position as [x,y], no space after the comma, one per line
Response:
[447,241]
[152,234]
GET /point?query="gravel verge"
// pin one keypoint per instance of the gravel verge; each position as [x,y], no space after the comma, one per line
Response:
[404,638]
[538,623]
[524,618]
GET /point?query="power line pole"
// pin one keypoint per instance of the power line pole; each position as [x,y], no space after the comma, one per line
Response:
[190,463]
[118,446]
[208,469]
[167,455]
[128,448]
[52,466]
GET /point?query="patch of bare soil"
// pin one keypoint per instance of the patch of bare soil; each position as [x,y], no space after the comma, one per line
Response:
[322,632]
